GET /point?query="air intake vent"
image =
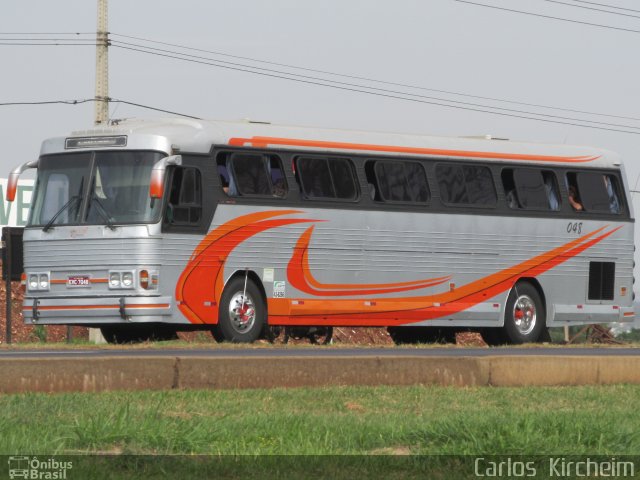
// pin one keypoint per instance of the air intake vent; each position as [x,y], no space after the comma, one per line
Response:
[601,280]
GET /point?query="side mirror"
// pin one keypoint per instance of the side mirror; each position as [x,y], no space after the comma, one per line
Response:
[12,185]
[156,187]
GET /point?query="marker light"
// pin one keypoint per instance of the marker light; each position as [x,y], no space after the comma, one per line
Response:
[127,279]
[33,282]
[144,279]
[114,279]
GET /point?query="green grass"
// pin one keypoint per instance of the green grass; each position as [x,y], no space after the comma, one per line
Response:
[333,433]
[417,420]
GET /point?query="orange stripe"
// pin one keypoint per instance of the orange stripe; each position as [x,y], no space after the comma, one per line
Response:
[262,142]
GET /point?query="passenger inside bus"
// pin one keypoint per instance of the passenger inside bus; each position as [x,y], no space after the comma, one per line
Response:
[574,199]
[550,187]
[614,204]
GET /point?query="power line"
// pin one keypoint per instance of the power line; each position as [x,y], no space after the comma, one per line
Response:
[608,5]
[395,92]
[394,95]
[88,100]
[404,85]
[551,17]
[592,8]
[33,44]
[153,108]
[47,33]
[368,79]
[48,102]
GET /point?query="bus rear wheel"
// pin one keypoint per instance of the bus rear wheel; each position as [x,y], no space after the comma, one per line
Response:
[242,314]
[525,315]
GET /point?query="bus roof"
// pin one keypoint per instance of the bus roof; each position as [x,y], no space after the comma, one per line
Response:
[196,136]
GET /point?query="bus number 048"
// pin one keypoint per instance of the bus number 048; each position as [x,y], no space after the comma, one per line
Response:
[574,227]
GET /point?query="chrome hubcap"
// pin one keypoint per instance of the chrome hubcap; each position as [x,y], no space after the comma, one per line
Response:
[524,314]
[242,312]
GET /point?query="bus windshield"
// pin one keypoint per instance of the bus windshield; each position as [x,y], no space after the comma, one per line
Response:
[101,188]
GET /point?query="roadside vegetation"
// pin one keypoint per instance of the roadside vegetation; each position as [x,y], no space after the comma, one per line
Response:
[378,421]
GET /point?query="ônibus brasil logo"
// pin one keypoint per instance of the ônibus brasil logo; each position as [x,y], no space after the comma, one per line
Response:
[35,468]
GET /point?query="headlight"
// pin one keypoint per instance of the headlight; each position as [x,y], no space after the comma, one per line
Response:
[121,279]
[38,281]
[114,279]
[127,279]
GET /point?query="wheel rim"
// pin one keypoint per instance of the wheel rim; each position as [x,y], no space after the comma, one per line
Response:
[242,312]
[524,314]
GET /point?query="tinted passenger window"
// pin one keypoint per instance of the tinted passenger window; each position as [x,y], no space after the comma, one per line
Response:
[531,189]
[401,181]
[466,185]
[185,197]
[329,178]
[252,175]
[594,192]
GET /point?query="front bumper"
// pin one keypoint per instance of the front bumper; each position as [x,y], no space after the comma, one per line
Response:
[97,310]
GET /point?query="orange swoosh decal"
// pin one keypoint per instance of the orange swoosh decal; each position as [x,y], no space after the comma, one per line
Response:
[400,311]
[262,142]
[201,281]
[300,277]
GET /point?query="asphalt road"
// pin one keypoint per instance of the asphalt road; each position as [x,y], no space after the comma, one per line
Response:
[319,352]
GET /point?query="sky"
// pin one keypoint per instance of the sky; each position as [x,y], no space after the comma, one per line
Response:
[434,45]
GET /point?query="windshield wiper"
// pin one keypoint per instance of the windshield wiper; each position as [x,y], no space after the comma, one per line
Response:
[72,202]
[103,212]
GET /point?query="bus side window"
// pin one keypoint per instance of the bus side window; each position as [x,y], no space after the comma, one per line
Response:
[278,180]
[509,185]
[185,197]
[534,190]
[372,181]
[598,191]
[551,188]
[401,181]
[251,174]
[466,185]
[574,193]
[327,178]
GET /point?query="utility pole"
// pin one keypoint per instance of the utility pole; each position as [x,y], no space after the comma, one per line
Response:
[102,65]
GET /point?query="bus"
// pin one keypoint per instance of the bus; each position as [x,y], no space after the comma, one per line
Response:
[146,228]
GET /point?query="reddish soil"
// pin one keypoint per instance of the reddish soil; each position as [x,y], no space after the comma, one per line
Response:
[21,333]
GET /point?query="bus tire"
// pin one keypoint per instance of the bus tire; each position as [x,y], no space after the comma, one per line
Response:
[525,315]
[242,315]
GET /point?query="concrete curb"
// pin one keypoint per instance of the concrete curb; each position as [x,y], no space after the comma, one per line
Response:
[166,373]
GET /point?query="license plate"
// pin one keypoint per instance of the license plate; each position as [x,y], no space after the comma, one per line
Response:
[78,281]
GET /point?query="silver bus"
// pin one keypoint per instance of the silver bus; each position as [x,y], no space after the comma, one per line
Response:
[146,228]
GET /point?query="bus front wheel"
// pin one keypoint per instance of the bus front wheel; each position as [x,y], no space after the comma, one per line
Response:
[242,314]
